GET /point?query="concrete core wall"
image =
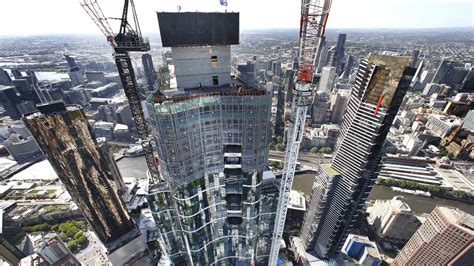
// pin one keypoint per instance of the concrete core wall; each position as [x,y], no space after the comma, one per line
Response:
[197,66]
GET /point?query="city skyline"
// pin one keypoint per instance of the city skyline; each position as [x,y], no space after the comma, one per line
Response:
[284,15]
[227,136]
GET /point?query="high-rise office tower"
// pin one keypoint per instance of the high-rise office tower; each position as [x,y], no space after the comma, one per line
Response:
[212,136]
[10,98]
[448,74]
[149,69]
[320,108]
[339,101]
[416,54]
[348,67]
[5,78]
[276,67]
[381,84]
[26,87]
[327,79]
[468,83]
[445,66]
[425,77]
[339,52]
[279,120]
[16,73]
[75,74]
[289,84]
[445,238]
[71,61]
[69,144]
[323,55]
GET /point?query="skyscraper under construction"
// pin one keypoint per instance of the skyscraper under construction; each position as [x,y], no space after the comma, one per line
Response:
[340,189]
[212,132]
[84,168]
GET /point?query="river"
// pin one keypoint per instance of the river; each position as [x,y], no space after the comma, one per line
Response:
[418,204]
[136,167]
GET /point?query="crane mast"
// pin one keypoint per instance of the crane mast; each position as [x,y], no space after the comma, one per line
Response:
[314,15]
[129,39]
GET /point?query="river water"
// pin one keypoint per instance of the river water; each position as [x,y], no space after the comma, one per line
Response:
[418,204]
[136,167]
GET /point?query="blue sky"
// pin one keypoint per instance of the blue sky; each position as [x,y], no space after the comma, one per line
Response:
[30,17]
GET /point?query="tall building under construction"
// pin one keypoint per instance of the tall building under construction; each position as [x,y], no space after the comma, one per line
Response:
[341,188]
[216,205]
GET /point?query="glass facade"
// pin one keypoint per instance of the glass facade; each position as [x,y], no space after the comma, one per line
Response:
[213,150]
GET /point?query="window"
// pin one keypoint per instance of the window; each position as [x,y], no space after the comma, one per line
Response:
[215,80]
[214,61]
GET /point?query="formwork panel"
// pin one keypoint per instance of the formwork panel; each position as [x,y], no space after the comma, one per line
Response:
[208,28]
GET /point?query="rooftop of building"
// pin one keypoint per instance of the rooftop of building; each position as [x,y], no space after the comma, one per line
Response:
[4,87]
[104,88]
[329,169]
[468,123]
[360,239]
[450,120]
[297,201]
[53,108]
[463,220]
[236,88]
[395,66]
[399,205]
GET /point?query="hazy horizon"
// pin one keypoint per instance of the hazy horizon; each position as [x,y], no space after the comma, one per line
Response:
[31,17]
[265,29]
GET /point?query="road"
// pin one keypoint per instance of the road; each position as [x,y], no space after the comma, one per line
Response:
[304,158]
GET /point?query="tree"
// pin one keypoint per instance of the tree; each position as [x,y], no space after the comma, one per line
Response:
[80,224]
[326,150]
[279,139]
[63,237]
[280,147]
[273,164]
[281,165]
[39,227]
[78,235]
[314,150]
[81,241]
[459,194]
[72,244]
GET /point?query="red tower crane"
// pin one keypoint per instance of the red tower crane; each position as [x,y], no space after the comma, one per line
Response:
[314,15]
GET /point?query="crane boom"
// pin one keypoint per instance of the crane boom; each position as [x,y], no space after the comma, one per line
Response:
[314,15]
[129,39]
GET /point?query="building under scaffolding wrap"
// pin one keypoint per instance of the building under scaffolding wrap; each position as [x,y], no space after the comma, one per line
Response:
[84,167]
[217,206]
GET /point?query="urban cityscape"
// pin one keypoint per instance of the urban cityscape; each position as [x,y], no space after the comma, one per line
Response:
[208,143]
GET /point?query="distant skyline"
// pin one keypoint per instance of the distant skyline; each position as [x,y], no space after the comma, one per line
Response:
[34,17]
